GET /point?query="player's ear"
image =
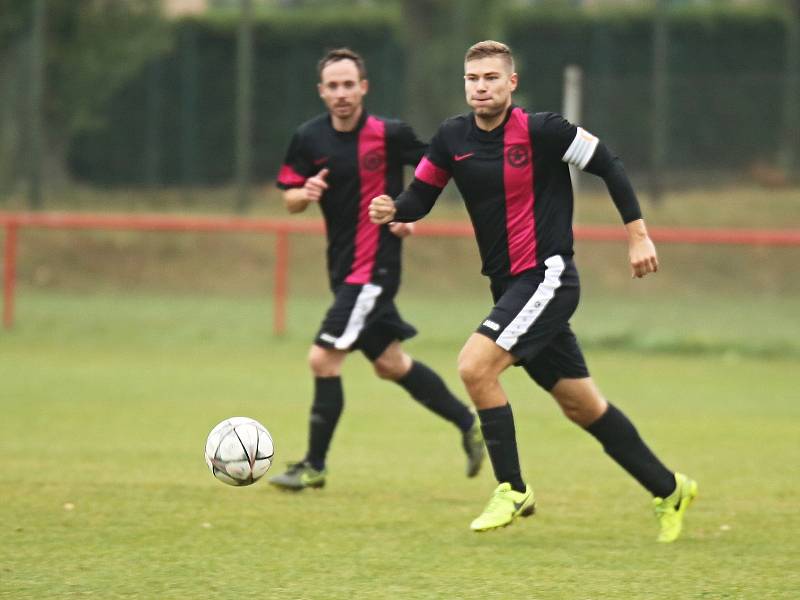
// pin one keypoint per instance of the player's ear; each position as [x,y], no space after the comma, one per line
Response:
[364,83]
[319,89]
[513,80]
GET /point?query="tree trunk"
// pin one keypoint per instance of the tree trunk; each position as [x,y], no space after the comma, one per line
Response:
[789,154]
[12,118]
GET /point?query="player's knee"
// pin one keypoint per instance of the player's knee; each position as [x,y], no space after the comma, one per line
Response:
[582,409]
[319,367]
[321,363]
[472,371]
[391,367]
[574,413]
[383,368]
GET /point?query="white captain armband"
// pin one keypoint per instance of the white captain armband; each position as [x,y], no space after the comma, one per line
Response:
[581,149]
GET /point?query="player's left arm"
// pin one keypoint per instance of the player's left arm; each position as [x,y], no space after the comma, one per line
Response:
[641,250]
[580,148]
[420,196]
[408,148]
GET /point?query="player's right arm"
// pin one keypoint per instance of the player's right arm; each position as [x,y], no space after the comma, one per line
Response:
[297,199]
[300,185]
[430,177]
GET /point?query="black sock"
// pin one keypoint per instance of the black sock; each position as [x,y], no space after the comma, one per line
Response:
[622,442]
[325,411]
[501,443]
[427,388]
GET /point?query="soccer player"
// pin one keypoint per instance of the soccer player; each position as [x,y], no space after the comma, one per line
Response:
[340,160]
[511,167]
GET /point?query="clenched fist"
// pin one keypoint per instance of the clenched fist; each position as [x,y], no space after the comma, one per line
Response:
[382,210]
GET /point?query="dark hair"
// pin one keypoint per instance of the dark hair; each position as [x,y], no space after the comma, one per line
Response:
[342,54]
[490,48]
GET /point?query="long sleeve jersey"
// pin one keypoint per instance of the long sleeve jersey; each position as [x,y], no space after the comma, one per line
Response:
[516,185]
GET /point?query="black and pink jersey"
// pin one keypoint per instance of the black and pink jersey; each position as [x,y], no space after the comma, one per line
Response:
[515,184]
[362,163]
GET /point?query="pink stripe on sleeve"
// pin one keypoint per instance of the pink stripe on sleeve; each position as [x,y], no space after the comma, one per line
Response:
[372,173]
[288,176]
[518,181]
[431,174]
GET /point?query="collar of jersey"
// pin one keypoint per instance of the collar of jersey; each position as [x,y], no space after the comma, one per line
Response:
[494,133]
[359,125]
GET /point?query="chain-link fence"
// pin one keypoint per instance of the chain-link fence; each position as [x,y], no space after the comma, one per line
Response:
[90,95]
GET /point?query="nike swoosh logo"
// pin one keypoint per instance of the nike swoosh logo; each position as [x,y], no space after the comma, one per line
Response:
[459,157]
[320,161]
[518,505]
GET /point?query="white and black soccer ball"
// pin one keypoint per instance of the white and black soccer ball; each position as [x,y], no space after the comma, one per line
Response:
[239,451]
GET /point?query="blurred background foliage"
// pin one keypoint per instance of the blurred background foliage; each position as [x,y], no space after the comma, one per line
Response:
[144,92]
[92,49]
[188,105]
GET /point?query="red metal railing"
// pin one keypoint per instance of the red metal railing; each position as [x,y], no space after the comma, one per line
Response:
[283,228]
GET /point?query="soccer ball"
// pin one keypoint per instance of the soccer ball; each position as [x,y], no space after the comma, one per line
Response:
[239,451]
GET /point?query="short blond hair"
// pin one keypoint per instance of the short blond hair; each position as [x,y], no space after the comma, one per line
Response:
[490,48]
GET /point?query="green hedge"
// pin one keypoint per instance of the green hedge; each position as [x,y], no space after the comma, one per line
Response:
[193,90]
[726,80]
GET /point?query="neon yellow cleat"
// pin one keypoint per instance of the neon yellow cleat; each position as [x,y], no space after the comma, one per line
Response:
[670,510]
[299,476]
[505,506]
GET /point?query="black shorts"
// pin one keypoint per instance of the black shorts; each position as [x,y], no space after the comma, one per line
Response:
[365,318]
[530,319]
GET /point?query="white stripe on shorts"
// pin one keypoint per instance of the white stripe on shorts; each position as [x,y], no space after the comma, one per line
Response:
[534,307]
[364,305]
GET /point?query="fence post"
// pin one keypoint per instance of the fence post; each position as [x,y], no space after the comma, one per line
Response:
[152,127]
[572,100]
[281,282]
[9,274]
[189,95]
[244,104]
[660,101]
[35,126]
[790,148]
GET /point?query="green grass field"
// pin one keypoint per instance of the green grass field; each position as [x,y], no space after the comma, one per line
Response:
[107,400]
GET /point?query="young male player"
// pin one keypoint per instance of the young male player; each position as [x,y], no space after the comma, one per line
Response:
[511,167]
[341,160]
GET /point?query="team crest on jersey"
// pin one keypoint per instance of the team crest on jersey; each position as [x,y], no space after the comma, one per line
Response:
[373,160]
[517,156]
